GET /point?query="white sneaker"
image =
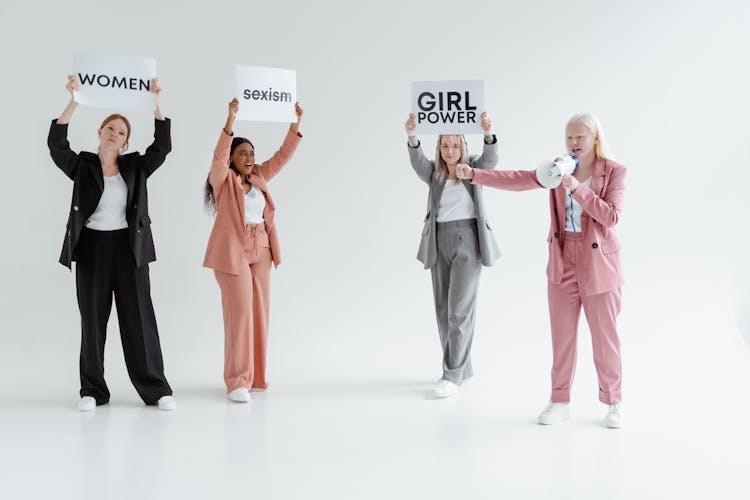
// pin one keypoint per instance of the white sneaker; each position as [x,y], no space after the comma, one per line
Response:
[86,403]
[167,403]
[614,419]
[444,389]
[240,395]
[555,413]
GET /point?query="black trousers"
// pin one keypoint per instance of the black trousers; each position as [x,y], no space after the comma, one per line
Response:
[105,266]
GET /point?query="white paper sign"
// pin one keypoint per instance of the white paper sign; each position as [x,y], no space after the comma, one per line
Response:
[266,94]
[108,81]
[448,107]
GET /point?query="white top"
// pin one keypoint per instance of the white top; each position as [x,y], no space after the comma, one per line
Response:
[110,212]
[255,202]
[573,210]
[455,203]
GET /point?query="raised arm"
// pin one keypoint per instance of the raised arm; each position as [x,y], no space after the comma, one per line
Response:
[57,139]
[419,162]
[220,162]
[488,158]
[273,165]
[157,152]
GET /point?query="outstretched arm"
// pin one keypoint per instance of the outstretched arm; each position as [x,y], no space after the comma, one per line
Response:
[273,165]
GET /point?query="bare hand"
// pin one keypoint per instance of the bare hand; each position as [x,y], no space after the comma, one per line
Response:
[72,84]
[486,124]
[156,87]
[464,171]
[234,106]
[298,111]
[410,125]
[570,183]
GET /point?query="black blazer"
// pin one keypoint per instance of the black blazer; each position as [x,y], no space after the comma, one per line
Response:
[85,170]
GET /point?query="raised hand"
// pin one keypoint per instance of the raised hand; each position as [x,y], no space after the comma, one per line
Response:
[410,125]
[486,124]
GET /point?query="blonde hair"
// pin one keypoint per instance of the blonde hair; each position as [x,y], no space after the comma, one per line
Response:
[592,123]
[440,165]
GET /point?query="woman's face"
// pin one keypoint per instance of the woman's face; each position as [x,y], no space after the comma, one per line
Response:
[450,149]
[113,136]
[580,141]
[243,158]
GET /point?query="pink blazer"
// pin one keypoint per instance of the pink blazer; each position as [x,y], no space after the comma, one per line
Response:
[226,243]
[600,270]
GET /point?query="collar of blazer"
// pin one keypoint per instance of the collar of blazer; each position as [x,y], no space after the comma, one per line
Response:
[123,162]
[438,185]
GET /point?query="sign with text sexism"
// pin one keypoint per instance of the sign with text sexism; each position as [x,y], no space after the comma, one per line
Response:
[108,81]
[266,94]
[448,107]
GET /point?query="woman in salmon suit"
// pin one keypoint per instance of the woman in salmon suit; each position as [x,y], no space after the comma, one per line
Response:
[241,248]
[584,261]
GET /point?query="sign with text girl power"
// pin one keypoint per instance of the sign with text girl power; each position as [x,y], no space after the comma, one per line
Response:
[266,94]
[108,81]
[448,107]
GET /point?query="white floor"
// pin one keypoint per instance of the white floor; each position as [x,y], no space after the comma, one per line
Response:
[347,417]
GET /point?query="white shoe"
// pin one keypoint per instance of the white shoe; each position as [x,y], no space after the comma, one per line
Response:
[614,419]
[240,395]
[554,413]
[444,389]
[86,403]
[167,403]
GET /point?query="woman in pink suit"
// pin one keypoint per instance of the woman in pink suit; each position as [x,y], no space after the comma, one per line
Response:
[584,261]
[241,248]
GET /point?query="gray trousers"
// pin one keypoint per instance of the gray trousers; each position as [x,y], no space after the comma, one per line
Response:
[455,281]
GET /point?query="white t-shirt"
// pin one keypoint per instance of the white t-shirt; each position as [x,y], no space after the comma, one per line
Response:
[110,212]
[255,203]
[455,203]
[573,210]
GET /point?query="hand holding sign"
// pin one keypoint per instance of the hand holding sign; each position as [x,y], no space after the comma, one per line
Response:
[410,125]
[72,85]
[464,171]
[486,124]
[298,111]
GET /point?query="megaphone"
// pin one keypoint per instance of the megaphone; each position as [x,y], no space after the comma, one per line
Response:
[550,175]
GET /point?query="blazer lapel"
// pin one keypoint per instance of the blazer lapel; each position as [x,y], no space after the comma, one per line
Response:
[96,171]
[597,176]
[437,192]
[128,175]
[469,187]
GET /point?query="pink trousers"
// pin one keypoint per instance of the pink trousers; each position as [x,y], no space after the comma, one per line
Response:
[565,301]
[245,303]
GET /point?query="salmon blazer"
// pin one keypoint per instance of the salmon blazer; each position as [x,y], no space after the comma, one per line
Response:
[225,251]
[600,269]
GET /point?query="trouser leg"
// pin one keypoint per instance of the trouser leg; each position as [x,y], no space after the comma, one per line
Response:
[261,282]
[94,292]
[564,312]
[601,313]
[138,330]
[236,302]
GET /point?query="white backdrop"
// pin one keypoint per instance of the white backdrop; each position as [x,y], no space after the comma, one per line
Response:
[668,79]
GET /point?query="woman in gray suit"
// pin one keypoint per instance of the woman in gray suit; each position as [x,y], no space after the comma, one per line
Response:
[456,242]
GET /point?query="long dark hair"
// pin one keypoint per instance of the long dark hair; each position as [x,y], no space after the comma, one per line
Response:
[209,198]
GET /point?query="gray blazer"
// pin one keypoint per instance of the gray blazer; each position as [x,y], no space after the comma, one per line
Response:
[425,169]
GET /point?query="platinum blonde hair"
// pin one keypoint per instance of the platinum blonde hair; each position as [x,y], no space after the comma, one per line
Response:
[592,123]
[440,165]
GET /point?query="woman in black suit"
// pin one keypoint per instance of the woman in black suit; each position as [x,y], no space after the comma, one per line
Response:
[109,238]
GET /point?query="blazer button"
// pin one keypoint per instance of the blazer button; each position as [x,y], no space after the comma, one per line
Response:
[135,206]
[595,245]
[557,235]
[75,207]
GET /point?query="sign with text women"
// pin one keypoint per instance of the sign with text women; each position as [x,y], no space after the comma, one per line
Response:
[120,82]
